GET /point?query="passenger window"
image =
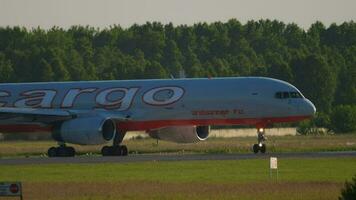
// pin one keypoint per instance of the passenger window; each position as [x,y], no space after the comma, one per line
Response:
[285,95]
[278,95]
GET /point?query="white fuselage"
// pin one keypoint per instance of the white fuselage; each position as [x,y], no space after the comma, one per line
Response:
[149,104]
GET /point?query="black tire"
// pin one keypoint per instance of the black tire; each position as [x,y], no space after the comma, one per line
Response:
[124,150]
[255,148]
[263,148]
[106,151]
[70,151]
[61,152]
[116,150]
[52,152]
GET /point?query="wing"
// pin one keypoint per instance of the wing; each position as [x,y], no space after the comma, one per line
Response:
[33,115]
[9,115]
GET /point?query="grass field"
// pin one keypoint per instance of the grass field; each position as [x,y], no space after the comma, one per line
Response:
[212,145]
[239,179]
[317,178]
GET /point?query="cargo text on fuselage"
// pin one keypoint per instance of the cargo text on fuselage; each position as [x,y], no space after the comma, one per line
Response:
[113,98]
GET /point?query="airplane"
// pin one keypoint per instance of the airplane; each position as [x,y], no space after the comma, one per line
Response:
[178,110]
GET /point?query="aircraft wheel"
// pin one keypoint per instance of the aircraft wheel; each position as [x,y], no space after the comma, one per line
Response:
[64,151]
[255,148]
[124,150]
[116,151]
[106,151]
[263,148]
[52,152]
[70,151]
[61,151]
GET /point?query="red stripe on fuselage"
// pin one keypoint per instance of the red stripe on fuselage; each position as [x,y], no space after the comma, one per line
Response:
[154,124]
[258,122]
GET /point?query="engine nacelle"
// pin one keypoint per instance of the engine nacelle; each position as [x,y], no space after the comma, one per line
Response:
[181,134]
[86,130]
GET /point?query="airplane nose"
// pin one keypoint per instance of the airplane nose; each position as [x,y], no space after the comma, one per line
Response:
[309,108]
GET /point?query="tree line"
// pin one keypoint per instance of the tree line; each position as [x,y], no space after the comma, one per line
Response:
[320,61]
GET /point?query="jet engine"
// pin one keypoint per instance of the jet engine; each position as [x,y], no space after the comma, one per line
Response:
[181,134]
[86,130]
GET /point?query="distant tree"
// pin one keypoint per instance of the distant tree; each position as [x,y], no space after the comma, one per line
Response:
[106,37]
[343,118]
[221,67]
[75,63]
[140,63]
[240,64]
[13,38]
[346,91]
[154,70]
[277,67]
[170,31]
[55,59]
[105,61]
[6,71]
[172,58]
[45,72]
[315,79]
[235,29]
[187,38]
[86,51]
[315,34]
[149,39]
[192,65]
[321,61]
[219,40]
[294,36]
[342,36]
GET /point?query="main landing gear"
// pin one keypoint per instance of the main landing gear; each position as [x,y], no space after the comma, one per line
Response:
[61,151]
[116,149]
[260,147]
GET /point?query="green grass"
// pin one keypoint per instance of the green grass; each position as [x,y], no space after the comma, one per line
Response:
[314,178]
[321,169]
[317,178]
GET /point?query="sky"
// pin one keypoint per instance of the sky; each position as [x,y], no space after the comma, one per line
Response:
[103,13]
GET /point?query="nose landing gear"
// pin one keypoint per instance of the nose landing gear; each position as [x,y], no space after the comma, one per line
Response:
[260,147]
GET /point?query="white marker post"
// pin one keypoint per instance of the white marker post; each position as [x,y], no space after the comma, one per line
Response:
[273,165]
[11,189]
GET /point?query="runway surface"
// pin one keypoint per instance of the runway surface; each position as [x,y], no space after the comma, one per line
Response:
[164,157]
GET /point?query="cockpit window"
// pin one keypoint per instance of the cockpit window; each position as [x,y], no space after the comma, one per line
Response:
[295,95]
[287,95]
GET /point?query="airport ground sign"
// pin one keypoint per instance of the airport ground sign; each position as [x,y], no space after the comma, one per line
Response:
[273,163]
[10,189]
[273,166]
